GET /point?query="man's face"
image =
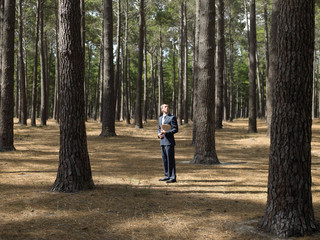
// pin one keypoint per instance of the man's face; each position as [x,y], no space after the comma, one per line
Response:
[165,109]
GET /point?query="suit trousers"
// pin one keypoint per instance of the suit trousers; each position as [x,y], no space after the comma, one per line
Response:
[169,164]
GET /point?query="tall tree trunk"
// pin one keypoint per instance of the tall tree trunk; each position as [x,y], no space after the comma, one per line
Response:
[96,102]
[266,34]
[108,99]
[153,82]
[196,72]
[220,60]
[252,128]
[145,82]
[126,81]
[205,152]
[56,108]
[226,102]
[180,61]
[43,68]
[260,89]
[35,68]
[174,78]
[185,68]
[289,211]
[161,82]
[17,102]
[102,60]
[74,172]
[138,112]
[1,38]
[83,45]
[117,79]
[272,74]
[87,81]
[6,103]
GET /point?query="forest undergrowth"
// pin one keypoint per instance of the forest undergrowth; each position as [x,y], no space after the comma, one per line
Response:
[223,201]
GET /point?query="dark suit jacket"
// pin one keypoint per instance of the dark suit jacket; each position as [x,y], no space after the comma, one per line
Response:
[168,137]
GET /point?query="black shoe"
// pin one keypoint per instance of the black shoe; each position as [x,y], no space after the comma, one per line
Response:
[171,181]
[163,179]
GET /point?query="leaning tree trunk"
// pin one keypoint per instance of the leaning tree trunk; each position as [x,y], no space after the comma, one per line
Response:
[74,172]
[205,152]
[6,104]
[289,211]
[252,128]
[108,100]
[138,108]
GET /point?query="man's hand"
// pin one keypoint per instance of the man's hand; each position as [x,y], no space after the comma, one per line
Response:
[160,136]
[163,132]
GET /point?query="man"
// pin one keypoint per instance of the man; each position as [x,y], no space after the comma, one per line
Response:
[165,133]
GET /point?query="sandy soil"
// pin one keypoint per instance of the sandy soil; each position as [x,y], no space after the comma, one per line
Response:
[208,202]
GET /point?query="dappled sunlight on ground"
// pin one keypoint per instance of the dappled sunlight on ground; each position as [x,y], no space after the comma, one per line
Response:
[208,202]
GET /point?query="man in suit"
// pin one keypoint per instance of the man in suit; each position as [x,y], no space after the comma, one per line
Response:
[167,143]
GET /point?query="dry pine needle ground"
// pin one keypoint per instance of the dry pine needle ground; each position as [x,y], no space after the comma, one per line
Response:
[208,202]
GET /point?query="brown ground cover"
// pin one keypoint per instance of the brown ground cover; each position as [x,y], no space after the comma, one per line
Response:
[208,202]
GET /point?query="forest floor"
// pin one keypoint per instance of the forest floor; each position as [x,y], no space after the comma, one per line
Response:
[216,202]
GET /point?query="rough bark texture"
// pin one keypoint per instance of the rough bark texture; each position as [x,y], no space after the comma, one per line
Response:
[185,68]
[108,100]
[220,60]
[125,72]
[35,69]
[138,109]
[23,97]
[180,61]
[196,72]
[117,77]
[6,106]
[273,61]
[43,106]
[289,210]
[56,108]
[205,152]
[252,128]
[74,172]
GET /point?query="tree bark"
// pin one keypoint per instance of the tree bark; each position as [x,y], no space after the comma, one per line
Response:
[35,68]
[56,108]
[145,82]
[117,78]
[138,110]
[252,128]
[272,74]
[126,81]
[289,211]
[108,99]
[221,54]
[180,61]
[174,78]
[6,103]
[185,68]
[43,68]
[74,172]
[205,152]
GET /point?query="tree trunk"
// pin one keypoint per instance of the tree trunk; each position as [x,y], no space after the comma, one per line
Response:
[117,79]
[205,152]
[138,112]
[252,128]
[96,102]
[17,102]
[272,74]
[226,102]
[180,61]
[43,68]
[74,172]
[220,60]
[174,77]
[35,68]
[56,108]
[6,103]
[196,72]
[145,86]
[260,89]
[266,34]
[289,211]
[126,81]
[108,99]
[185,68]
[1,38]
